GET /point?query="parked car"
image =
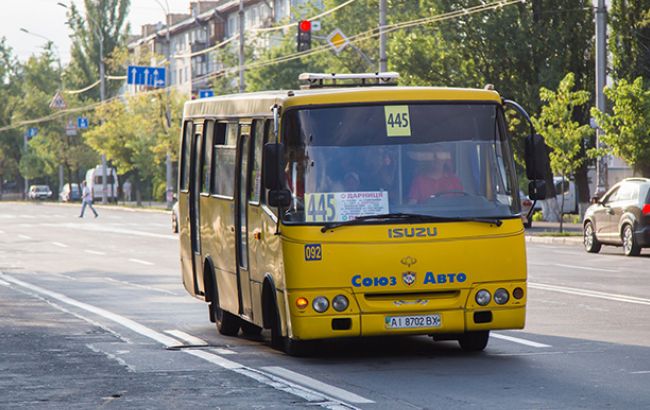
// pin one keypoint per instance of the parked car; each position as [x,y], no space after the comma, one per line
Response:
[175,218]
[70,192]
[620,218]
[39,192]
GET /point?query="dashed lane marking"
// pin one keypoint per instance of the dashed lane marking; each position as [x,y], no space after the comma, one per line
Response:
[90,251]
[60,245]
[585,267]
[186,337]
[140,261]
[137,285]
[590,293]
[317,385]
[519,340]
[641,372]
[21,236]
[312,395]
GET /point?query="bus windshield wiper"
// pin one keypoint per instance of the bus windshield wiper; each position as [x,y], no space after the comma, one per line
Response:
[409,217]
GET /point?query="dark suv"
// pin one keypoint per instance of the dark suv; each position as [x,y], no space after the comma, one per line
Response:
[620,218]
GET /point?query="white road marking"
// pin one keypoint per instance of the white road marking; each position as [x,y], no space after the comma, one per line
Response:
[109,228]
[221,350]
[2,232]
[128,323]
[90,251]
[193,340]
[641,372]
[140,261]
[317,385]
[585,267]
[518,340]
[136,285]
[3,283]
[60,245]
[590,293]
[24,236]
[320,398]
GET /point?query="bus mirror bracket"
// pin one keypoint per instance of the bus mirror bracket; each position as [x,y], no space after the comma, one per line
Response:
[279,196]
[538,166]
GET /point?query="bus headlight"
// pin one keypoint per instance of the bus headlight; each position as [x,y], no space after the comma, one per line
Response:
[501,296]
[483,297]
[320,304]
[340,303]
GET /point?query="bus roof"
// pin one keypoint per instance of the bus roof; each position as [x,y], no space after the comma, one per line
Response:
[260,103]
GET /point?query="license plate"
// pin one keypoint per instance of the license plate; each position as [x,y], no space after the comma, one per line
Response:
[413,322]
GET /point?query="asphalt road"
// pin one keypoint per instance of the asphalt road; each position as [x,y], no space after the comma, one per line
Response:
[93,314]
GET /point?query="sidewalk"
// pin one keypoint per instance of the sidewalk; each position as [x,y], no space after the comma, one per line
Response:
[549,233]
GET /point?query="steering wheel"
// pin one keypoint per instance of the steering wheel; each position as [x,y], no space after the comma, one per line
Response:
[445,193]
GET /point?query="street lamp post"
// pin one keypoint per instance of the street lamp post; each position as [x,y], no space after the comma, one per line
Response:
[102,92]
[169,191]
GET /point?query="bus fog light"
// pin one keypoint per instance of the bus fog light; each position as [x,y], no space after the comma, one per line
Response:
[340,303]
[501,296]
[518,293]
[302,303]
[483,297]
[320,304]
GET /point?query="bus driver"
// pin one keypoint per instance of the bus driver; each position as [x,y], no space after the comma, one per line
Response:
[435,177]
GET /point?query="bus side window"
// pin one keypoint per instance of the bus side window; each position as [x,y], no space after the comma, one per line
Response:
[223,180]
[256,175]
[207,156]
[185,157]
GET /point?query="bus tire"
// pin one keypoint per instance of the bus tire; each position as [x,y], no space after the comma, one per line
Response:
[474,341]
[227,323]
[277,341]
[249,329]
[297,348]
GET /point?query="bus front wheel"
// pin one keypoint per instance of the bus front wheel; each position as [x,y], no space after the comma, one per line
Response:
[474,341]
[290,346]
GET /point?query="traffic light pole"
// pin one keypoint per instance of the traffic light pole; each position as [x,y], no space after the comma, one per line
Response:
[601,63]
[383,60]
[242,85]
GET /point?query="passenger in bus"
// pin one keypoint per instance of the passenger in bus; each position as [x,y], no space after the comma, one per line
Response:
[435,176]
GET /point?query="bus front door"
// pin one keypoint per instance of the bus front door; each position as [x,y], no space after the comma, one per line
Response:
[241,224]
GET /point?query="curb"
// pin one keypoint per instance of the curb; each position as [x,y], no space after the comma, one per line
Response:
[555,240]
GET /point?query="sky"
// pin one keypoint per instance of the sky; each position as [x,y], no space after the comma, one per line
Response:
[46,19]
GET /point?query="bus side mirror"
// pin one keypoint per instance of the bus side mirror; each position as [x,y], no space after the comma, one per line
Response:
[537,190]
[273,176]
[538,166]
[273,166]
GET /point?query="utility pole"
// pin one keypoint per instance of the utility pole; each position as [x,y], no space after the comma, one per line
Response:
[168,158]
[242,85]
[601,79]
[102,97]
[383,60]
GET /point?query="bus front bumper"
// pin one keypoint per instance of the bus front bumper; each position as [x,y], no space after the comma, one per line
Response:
[454,321]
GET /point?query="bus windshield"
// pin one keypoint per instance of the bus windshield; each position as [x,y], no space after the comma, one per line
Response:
[449,160]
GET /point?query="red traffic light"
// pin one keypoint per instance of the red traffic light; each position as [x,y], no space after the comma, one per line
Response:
[304,25]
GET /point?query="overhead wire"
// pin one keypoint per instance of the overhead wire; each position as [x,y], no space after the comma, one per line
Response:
[375,32]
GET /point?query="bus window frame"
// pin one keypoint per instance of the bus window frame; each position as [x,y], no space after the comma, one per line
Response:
[183,180]
[225,122]
[206,157]
[254,136]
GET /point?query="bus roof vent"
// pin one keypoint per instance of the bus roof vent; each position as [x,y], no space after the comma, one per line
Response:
[323,80]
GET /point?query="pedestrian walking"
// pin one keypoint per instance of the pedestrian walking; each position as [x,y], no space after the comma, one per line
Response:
[86,200]
[126,189]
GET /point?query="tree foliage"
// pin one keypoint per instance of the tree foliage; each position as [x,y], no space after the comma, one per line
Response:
[629,39]
[10,140]
[105,21]
[627,127]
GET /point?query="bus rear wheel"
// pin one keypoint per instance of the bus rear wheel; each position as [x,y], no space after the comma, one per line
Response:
[249,329]
[474,341]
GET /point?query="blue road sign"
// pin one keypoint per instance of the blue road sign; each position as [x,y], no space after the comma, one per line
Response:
[149,76]
[206,93]
[31,132]
[82,122]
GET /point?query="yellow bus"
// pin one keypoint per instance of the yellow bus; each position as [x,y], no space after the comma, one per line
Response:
[352,208]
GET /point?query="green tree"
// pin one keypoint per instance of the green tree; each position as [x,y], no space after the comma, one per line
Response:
[10,140]
[627,128]
[104,21]
[134,136]
[557,124]
[629,39]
